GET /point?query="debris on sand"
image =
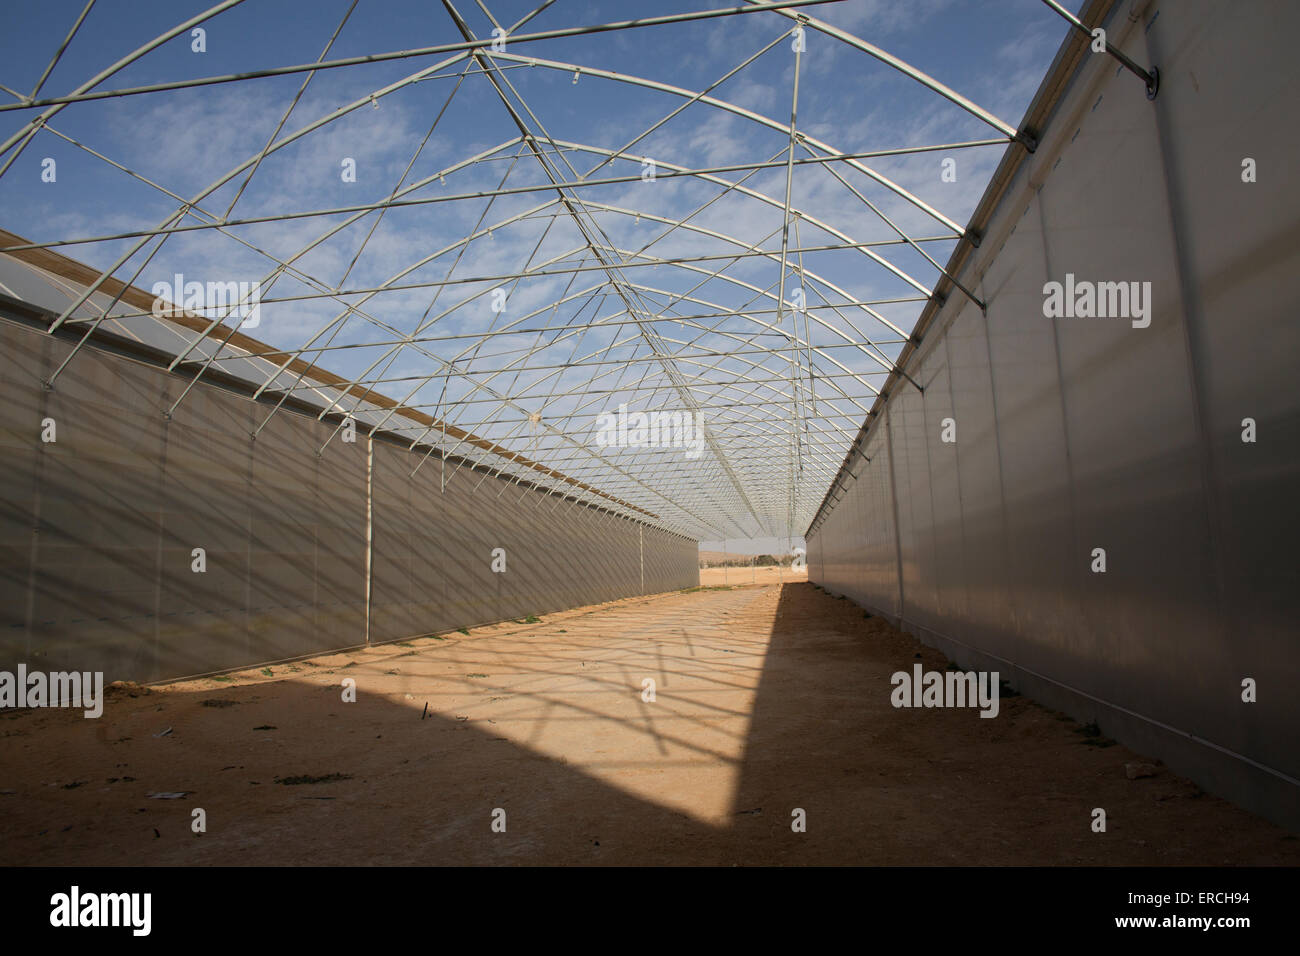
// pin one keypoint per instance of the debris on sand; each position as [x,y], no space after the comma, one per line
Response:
[308,778]
[126,688]
[1137,768]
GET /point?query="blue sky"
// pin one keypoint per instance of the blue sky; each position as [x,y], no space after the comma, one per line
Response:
[995,53]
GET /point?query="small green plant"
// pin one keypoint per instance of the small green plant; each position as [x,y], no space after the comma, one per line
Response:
[268,672]
[223,678]
[463,630]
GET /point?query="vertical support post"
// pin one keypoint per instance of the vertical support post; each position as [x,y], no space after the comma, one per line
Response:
[370,525]
[898,535]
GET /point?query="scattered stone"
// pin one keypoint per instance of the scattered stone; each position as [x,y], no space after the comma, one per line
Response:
[1137,768]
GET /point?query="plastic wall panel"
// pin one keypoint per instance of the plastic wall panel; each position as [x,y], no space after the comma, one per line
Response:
[600,570]
[947,539]
[1131,427]
[97,529]
[556,573]
[625,560]
[587,552]
[529,585]
[685,571]
[1237,246]
[657,549]
[629,570]
[434,569]
[844,532]
[843,537]
[672,562]
[860,529]
[831,535]
[1083,433]
[915,511]
[115,507]
[820,546]
[464,558]
[847,536]
[654,550]
[306,573]
[848,530]
[1031,445]
[393,593]
[880,547]
[594,552]
[983,548]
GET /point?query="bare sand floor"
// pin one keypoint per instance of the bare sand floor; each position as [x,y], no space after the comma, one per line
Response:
[767,699]
[738,577]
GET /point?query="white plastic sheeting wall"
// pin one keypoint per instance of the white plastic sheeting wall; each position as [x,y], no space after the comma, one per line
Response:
[1075,434]
[98,527]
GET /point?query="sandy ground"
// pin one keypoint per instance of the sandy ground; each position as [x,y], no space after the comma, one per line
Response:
[767,699]
[736,577]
